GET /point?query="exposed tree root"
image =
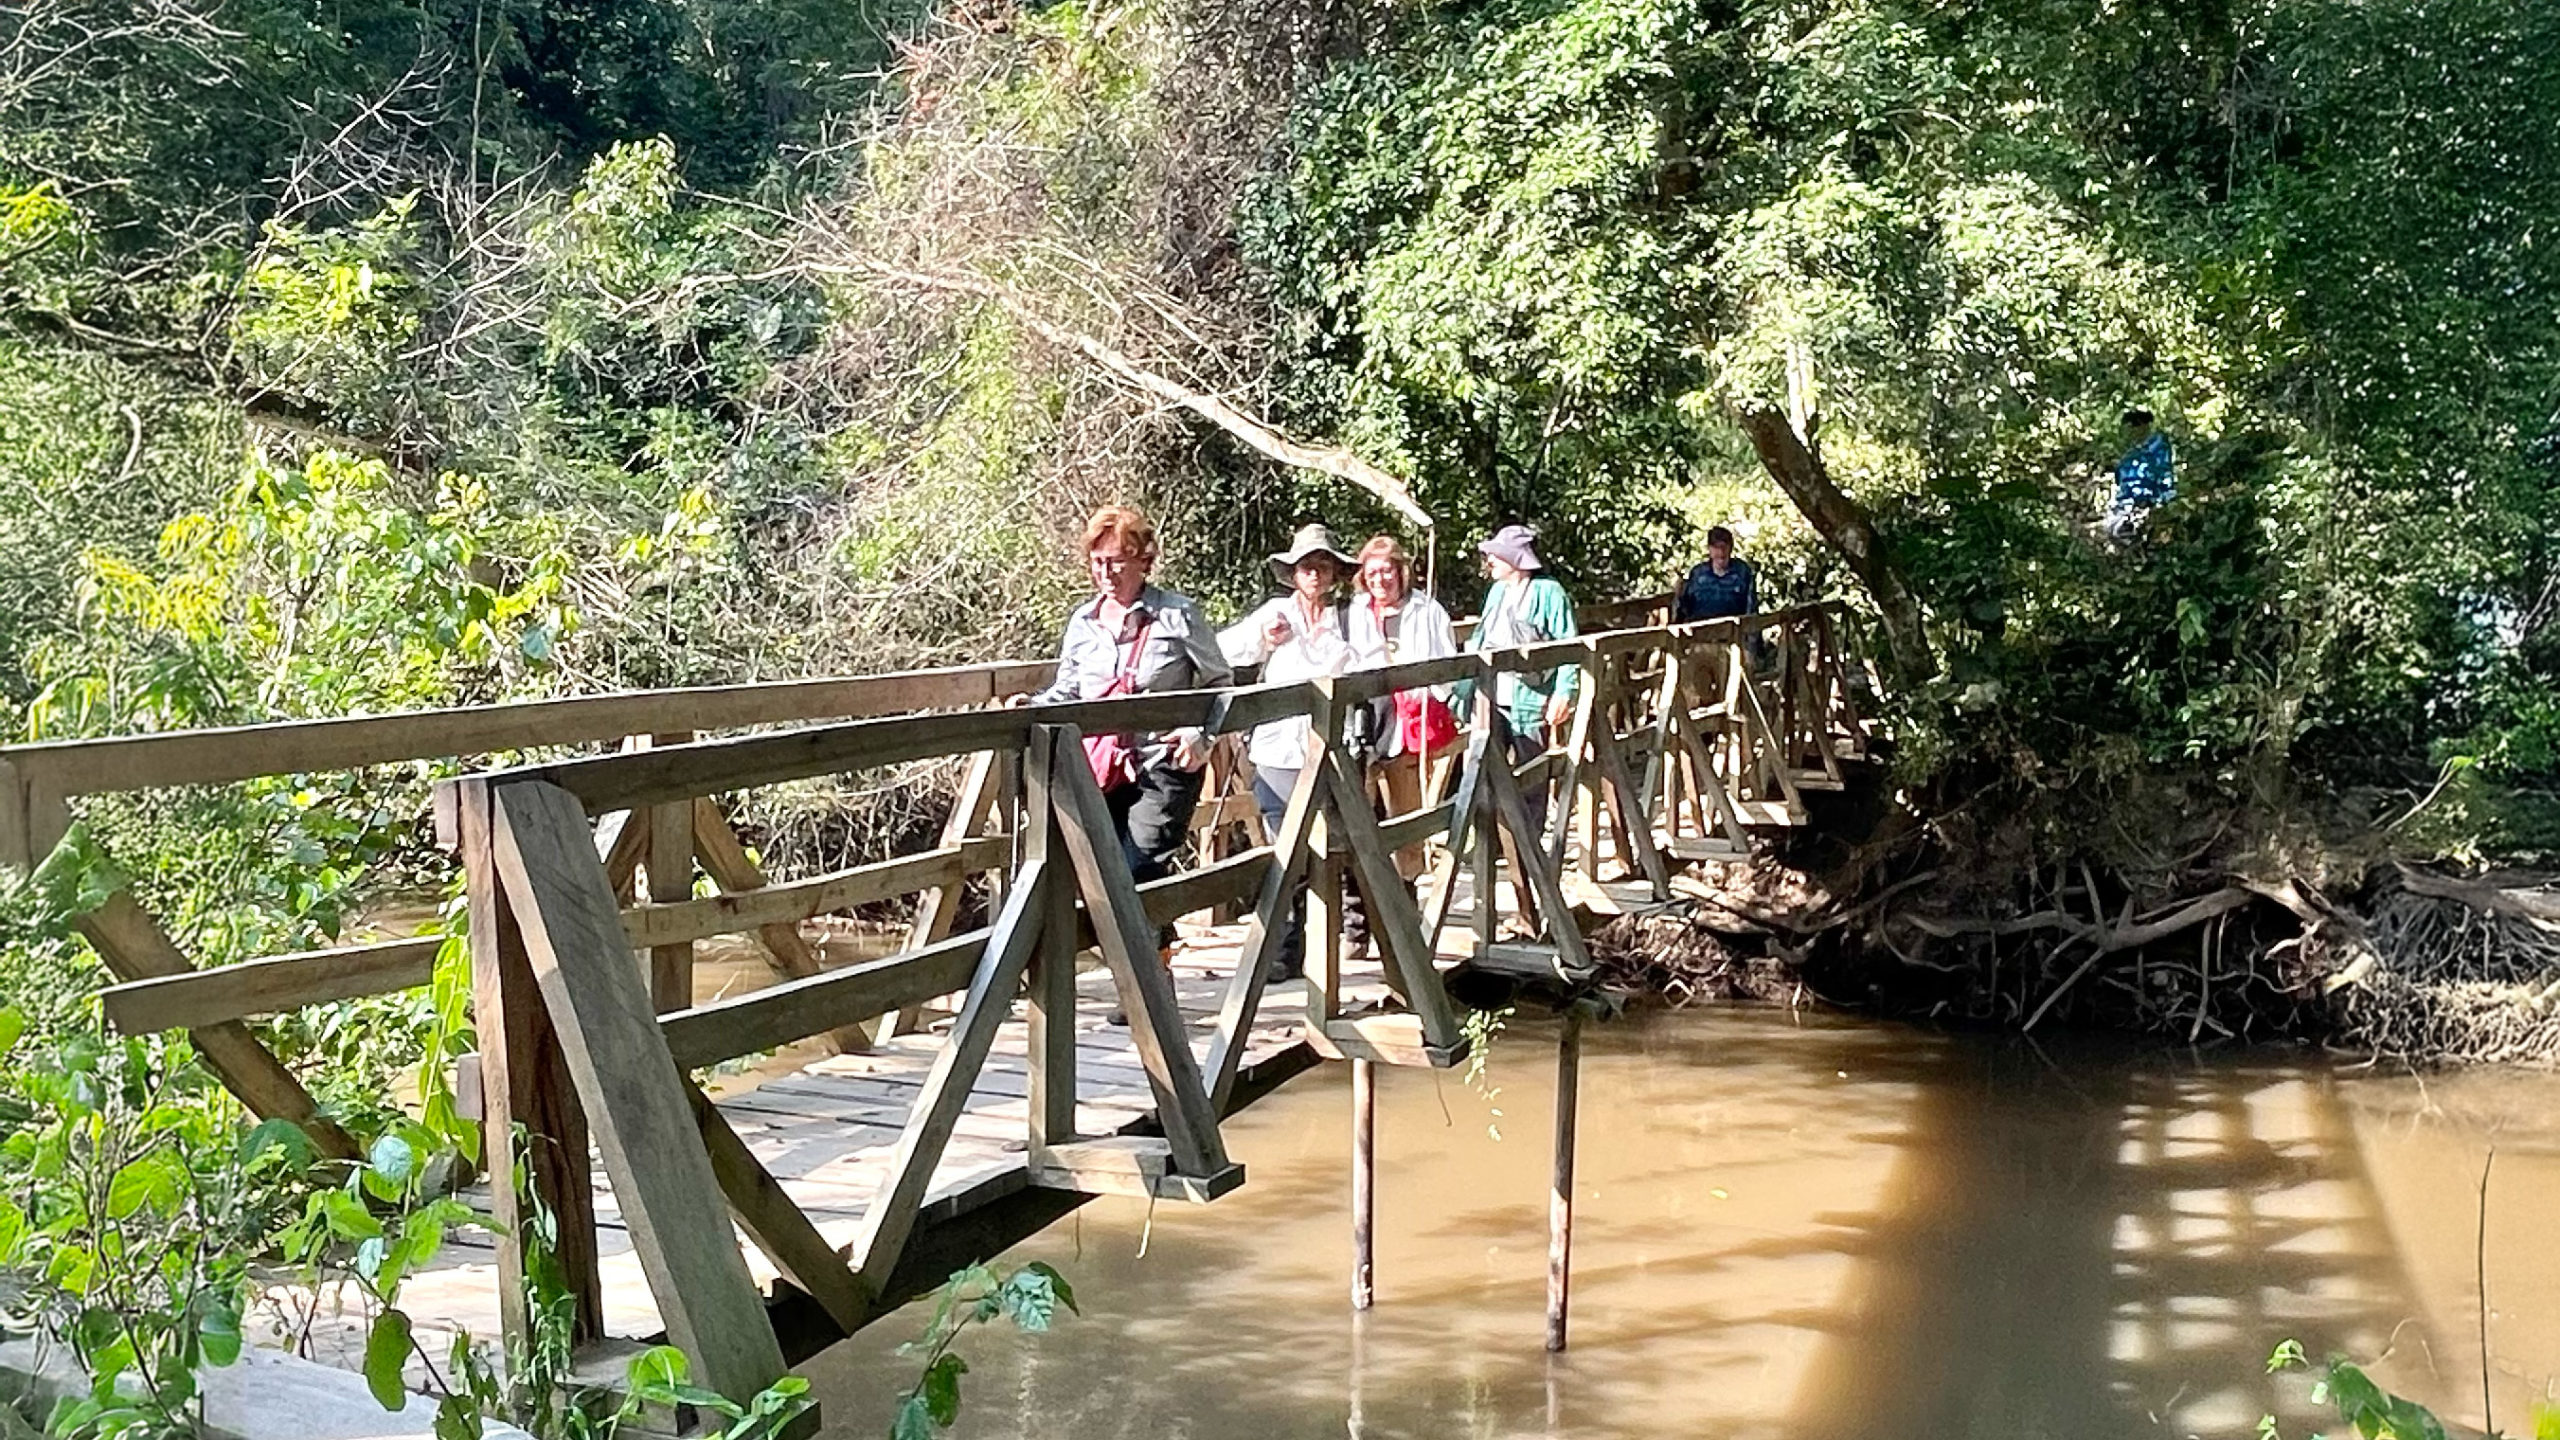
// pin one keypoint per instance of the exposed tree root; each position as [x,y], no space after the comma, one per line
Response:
[2395,962]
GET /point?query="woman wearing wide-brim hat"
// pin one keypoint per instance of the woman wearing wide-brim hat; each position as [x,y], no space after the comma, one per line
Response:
[1297,636]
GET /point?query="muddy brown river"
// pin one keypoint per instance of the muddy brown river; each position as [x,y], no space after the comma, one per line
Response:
[1806,1228]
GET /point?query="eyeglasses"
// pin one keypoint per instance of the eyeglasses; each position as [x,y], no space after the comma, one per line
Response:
[1116,564]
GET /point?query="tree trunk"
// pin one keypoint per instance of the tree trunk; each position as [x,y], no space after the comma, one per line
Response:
[1844,525]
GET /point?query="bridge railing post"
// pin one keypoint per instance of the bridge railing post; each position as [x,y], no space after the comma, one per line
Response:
[525,1086]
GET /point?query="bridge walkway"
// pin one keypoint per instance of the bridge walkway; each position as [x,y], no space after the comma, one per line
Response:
[864,1179]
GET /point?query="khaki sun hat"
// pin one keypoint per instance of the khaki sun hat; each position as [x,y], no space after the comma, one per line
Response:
[1310,540]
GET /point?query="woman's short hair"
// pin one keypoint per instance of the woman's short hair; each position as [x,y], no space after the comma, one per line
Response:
[1388,548]
[1135,532]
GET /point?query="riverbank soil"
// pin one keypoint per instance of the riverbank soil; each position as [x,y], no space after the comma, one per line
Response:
[2020,922]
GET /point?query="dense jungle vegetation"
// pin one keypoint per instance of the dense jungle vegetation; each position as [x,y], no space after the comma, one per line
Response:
[413,353]
[398,353]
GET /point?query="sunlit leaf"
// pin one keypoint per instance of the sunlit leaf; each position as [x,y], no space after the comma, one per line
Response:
[386,1354]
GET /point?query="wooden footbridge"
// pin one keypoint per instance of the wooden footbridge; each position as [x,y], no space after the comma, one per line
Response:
[966,1089]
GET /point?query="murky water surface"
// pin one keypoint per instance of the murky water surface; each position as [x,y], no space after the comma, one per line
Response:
[1805,1229]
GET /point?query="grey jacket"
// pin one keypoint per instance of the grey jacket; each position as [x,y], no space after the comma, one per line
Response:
[1181,654]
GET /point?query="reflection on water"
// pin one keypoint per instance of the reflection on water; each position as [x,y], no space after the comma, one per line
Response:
[1801,1230]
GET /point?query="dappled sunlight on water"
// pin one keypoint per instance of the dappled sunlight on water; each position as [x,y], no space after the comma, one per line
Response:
[1796,1230]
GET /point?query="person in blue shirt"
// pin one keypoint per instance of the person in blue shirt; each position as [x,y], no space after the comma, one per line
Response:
[2146,478]
[1719,585]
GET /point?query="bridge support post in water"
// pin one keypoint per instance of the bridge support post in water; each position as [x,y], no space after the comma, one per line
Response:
[1364,1183]
[1560,1196]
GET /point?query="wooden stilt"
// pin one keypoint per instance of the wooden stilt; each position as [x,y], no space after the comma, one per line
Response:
[1560,1196]
[1364,1182]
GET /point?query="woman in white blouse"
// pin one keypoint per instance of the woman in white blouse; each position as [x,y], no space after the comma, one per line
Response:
[1392,623]
[1297,636]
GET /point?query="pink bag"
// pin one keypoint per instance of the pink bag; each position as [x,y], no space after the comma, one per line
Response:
[1113,758]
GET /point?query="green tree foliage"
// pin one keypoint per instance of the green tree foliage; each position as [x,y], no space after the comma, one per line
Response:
[1536,250]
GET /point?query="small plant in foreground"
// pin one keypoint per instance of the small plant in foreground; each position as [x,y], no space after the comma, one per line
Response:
[2376,1413]
[1029,1297]
[134,1203]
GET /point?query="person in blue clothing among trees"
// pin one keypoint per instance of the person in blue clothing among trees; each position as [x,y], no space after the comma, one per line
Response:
[2146,478]
[1719,585]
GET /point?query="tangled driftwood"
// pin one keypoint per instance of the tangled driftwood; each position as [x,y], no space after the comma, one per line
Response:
[2413,965]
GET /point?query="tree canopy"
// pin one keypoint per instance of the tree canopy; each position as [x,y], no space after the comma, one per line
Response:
[710,340]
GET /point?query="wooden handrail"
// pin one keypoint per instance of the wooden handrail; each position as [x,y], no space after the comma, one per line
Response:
[683,772]
[291,747]
[63,769]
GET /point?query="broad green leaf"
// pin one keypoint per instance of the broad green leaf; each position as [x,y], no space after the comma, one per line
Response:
[1027,1299]
[915,1420]
[940,1388]
[13,1023]
[72,1268]
[422,1235]
[154,1182]
[348,1219]
[218,1330]
[13,1232]
[279,1142]
[109,1361]
[656,1371]
[386,1351]
[457,1418]
[1057,1283]
[394,1160]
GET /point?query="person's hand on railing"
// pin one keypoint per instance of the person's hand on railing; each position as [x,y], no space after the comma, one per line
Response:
[1190,748]
[1559,710]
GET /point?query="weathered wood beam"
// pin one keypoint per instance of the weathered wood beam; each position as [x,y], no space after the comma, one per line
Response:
[992,986]
[777,1015]
[134,947]
[202,998]
[245,752]
[1127,939]
[636,1098]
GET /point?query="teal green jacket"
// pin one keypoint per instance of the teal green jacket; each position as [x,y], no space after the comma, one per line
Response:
[1519,613]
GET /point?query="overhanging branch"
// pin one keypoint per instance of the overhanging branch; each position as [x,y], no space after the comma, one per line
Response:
[1332,460]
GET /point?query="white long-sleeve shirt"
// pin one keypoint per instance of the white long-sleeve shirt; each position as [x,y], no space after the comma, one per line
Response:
[1313,648]
[1416,629]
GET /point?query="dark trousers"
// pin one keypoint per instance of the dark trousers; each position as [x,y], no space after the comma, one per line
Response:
[1271,791]
[1152,815]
